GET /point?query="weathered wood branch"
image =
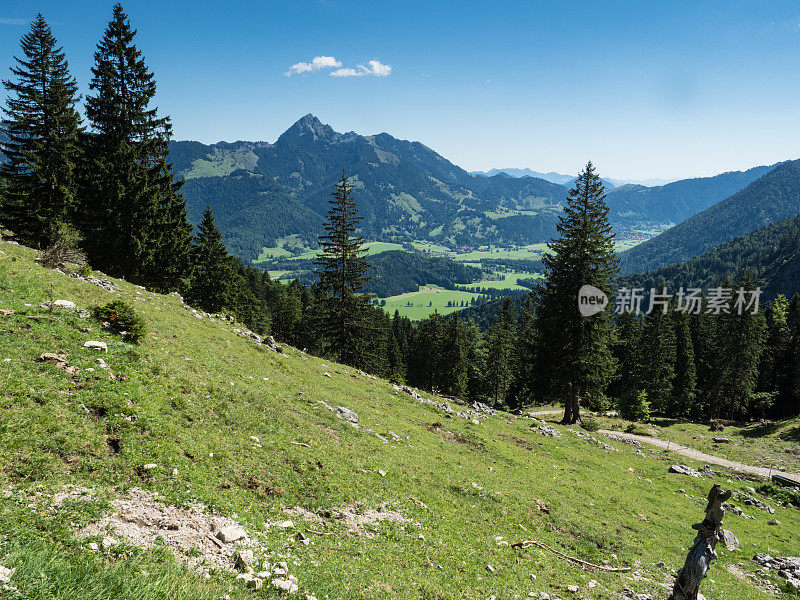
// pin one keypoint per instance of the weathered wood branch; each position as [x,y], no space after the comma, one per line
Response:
[702,552]
[578,561]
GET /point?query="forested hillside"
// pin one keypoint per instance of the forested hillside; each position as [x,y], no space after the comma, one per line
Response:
[397,271]
[774,196]
[637,205]
[771,254]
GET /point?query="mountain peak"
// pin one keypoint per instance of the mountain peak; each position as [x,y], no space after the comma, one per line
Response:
[308,125]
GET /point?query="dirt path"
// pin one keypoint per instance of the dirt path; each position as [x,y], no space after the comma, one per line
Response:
[764,472]
[695,454]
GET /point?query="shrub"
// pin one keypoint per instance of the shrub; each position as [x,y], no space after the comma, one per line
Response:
[637,429]
[122,317]
[63,247]
[590,424]
[634,406]
[781,494]
[716,426]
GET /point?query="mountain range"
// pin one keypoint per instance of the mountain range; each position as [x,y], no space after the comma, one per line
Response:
[262,193]
[562,179]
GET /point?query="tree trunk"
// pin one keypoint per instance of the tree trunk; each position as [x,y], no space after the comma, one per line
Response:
[698,561]
[576,406]
[567,420]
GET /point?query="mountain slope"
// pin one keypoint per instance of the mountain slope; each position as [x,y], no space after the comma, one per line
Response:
[771,254]
[772,197]
[632,205]
[247,432]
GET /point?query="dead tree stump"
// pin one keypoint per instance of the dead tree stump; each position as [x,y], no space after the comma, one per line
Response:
[698,561]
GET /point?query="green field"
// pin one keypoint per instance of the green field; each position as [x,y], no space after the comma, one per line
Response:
[247,432]
[426,300]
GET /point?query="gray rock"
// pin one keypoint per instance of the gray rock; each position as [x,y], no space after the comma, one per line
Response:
[84,314]
[348,415]
[230,534]
[255,583]
[731,542]
[722,440]
[95,345]
[684,470]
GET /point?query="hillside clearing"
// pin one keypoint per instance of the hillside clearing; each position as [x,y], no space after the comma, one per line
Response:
[200,414]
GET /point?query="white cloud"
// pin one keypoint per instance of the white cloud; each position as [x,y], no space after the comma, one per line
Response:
[346,72]
[373,67]
[13,21]
[379,69]
[316,64]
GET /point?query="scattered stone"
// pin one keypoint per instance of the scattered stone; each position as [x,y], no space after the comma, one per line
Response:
[95,345]
[348,415]
[255,583]
[573,588]
[773,522]
[548,431]
[286,585]
[58,304]
[490,568]
[475,422]
[150,466]
[731,541]
[101,363]
[83,313]
[328,374]
[722,440]
[60,362]
[230,534]
[684,470]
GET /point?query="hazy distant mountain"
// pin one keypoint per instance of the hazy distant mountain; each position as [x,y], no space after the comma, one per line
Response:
[772,197]
[552,176]
[562,179]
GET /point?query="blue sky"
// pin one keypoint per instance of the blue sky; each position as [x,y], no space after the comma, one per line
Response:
[644,89]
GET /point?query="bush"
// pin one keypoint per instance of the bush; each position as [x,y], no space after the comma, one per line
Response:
[716,426]
[63,247]
[634,406]
[637,429]
[590,424]
[122,317]
[781,494]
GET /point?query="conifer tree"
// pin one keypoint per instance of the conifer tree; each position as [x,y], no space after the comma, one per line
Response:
[657,359]
[741,344]
[684,386]
[626,351]
[212,281]
[342,267]
[135,218]
[526,340]
[42,149]
[574,351]
[500,354]
[454,358]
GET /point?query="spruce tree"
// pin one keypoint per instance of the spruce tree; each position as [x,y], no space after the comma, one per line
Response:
[135,218]
[500,354]
[523,383]
[741,344]
[684,385]
[574,351]
[656,368]
[341,267]
[212,283]
[42,148]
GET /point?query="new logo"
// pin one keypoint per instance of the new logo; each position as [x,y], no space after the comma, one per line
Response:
[591,300]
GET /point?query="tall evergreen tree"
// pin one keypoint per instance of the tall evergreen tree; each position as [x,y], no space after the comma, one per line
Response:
[212,283]
[656,365]
[523,383]
[573,350]
[42,149]
[342,267]
[741,339]
[135,218]
[684,385]
[500,354]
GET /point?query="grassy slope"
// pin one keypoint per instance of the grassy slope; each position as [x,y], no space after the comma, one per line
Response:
[619,507]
